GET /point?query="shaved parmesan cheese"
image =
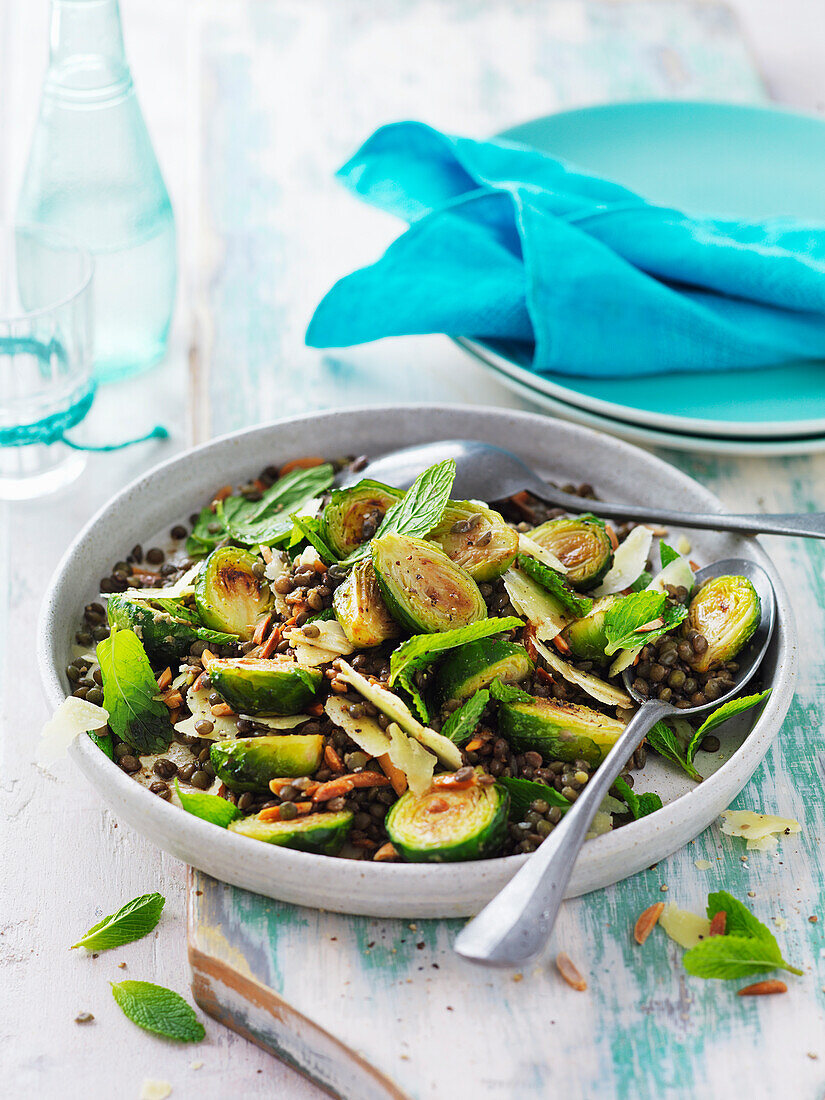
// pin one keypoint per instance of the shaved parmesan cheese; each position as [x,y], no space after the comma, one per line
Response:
[598,689]
[331,642]
[536,605]
[399,712]
[702,864]
[760,830]
[685,928]
[155,1090]
[183,586]
[403,751]
[629,562]
[198,702]
[309,556]
[530,547]
[72,717]
[602,823]
[278,566]
[683,544]
[412,758]
[624,660]
[676,573]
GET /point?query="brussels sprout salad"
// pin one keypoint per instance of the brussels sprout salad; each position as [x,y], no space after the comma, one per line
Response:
[401,676]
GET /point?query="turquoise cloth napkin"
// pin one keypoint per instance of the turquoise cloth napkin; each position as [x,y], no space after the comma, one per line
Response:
[587,278]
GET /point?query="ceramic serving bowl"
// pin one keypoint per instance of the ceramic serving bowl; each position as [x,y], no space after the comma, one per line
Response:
[562,451]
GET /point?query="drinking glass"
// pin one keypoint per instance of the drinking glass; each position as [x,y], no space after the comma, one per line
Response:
[46,382]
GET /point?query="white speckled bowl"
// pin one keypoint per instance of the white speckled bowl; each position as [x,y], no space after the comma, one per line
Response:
[563,451]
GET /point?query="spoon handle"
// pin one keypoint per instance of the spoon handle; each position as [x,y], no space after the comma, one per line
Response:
[803,524]
[514,927]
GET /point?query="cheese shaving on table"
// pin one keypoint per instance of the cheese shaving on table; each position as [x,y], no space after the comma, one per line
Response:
[596,688]
[330,642]
[72,717]
[760,830]
[534,550]
[685,928]
[629,562]
[152,1089]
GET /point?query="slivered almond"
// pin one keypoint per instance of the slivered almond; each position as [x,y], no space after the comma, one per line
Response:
[717,925]
[266,553]
[474,745]
[654,624]
[762,989]
[385,854]
[611,534]
[271,644]
[165,679]
[438,806]
[222,494]
[393,773]
[570,972]
[273,813]
[332,760]
[208,656]
[560,644]
[173,699]
[221,710]
[300,464]
[261,629]
[647,922]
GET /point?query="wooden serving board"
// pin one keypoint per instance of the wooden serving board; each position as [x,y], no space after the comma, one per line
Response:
[379,1008]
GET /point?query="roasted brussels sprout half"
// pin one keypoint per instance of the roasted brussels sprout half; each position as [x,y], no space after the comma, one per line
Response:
[445,826]
[476,538]
[726,611]
[586,637]
[164,637]
[352,516]
[248,763]
[476,664]
[228,593]
[360,609]
[559,731]
[254,686]
[580,544]
[322,833]
[422,588]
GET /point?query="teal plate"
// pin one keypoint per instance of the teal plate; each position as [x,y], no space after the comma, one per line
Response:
[708,158]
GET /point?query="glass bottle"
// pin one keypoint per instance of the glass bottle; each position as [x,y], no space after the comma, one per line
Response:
[92,173]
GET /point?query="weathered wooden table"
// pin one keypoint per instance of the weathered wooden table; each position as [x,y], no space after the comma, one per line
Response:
[253,107]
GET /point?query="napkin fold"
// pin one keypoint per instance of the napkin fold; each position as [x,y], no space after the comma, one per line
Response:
[508,244]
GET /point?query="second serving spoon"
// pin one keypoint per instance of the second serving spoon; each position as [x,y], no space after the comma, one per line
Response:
[514,927]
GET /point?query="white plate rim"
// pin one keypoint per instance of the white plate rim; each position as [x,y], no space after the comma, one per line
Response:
[397,890]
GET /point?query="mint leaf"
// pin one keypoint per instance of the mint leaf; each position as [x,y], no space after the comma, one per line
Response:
[667,554]
[523,792]
[104,743]
[461,724]
[509,693]
[176,609]
[663,740]
[740,920]
[729,957]
[322,616]
[157,1009]
[209,807]
[311,530]
[556,585]
[641,582]
[627,614]
[727,710]
[419,510]
[130,691]
[422,649]
[132,921]
[639,805]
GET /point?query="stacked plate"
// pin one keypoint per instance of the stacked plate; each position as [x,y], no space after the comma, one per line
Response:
[722,160]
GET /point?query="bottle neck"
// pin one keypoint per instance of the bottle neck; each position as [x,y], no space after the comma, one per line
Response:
[86,56]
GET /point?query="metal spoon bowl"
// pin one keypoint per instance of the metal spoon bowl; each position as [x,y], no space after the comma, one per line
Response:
[514,927]
[485,472]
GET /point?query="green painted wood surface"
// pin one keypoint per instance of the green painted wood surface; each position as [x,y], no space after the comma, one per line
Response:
[289,90]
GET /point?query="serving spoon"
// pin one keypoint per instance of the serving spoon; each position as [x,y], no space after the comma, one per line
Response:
[485,472]
[514,927]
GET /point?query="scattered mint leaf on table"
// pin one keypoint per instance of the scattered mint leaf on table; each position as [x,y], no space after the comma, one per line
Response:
[728,957]
[130,692]
[461,724]
[132,921]
[209,807]
[727,710]
[157,1009]
[556,585]
[419,510]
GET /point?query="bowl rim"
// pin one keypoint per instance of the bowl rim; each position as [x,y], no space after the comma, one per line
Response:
[157,813]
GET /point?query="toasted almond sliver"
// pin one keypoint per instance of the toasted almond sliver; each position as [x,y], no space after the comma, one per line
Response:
[761,989]
[385,854]
[717,925]
[647,922]
[570,972]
